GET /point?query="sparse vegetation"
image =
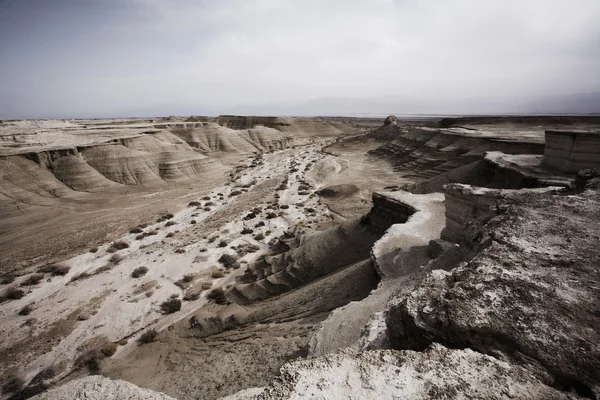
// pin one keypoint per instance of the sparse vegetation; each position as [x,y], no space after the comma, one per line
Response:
[33,279]
[271,215]
[115,259]
[194,204]
[55,269]
[228,260]
[26,310]
[223,243]
[217,274]
[191,296]
[12,293]
[109,349]
[235,193]
[119,245]
[171,306]
[80,276]
[122,342]
[170,223]
[246,231]
[105,268]
[180,250]
[217,295]
[259,236]
[135,230]
[6,279]
[139,271]
[170,234]
[148,337]
[94,250]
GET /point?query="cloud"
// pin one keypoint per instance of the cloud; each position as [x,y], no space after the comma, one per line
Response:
[80,57]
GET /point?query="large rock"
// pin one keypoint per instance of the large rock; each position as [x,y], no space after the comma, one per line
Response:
[531,297]
[437,373]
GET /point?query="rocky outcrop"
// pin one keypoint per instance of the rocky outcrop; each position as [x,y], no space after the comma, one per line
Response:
[435,373]
[570,151]
[298,126]
[428,152]
[530,297]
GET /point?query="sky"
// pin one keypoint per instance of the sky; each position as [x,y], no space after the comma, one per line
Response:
[113,58]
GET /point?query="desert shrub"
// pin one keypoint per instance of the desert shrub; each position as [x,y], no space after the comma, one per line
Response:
[122,342]
[259,236]
[235,193]
[191,296]
[135,230]
[261,223]
[217,295]
[223,243]
[33,279]
[90,360]
[249,216]
[109,349]
[208,204]
[148,337]
[6,279]
[217,274]
[12,293]
[55,269]
[212,239]
[284,206]
[180,251]
[246,231]
[267,233]
[171,306]
[139,271]
[119,245]
[193,222]
[208,198]
[26,310]
[140,237]
[94,250]
[194,204]
[105,268]
[12,384]
[80,276]
[206,285]
[115,259]
[170,234]
[271,215]
[203,250]
[227,260]
[111,250]
[168,216]
[61,270]
[170,223]
[152,233]
[188,277]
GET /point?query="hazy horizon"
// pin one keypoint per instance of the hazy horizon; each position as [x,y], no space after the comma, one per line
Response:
[95,59]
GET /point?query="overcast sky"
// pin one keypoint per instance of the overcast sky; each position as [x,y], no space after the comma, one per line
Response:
[96,58]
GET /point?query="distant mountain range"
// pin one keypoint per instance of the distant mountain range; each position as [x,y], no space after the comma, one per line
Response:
[582,103]
[16,107]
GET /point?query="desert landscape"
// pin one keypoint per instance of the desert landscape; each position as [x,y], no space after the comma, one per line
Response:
[271,257]
[286,200]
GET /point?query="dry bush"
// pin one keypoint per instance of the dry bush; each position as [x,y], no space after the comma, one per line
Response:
[94,250]
[194,204]
[217,295]
[170,223]
[170,234]
[189,277]
[208,198]
[122,342]
[261,223]
[171,306]
[223,243]
[109,349]
[191,296]
[90,360]
[26,310]
[80,276]
[33,279]
[180,250]
[168,216]
[12,293]
[6,279]
[139,271]
[152,233]
[135,230]
[212,239]
[271,215]
[246,231]
[105,268]
[217,274]
[115,259]
[206,285]
[228,260]
[148,337]
[119,245]
[284,206]
[235,193]
[259,236]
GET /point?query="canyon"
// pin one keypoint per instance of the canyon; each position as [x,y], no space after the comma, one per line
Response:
[248,257]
